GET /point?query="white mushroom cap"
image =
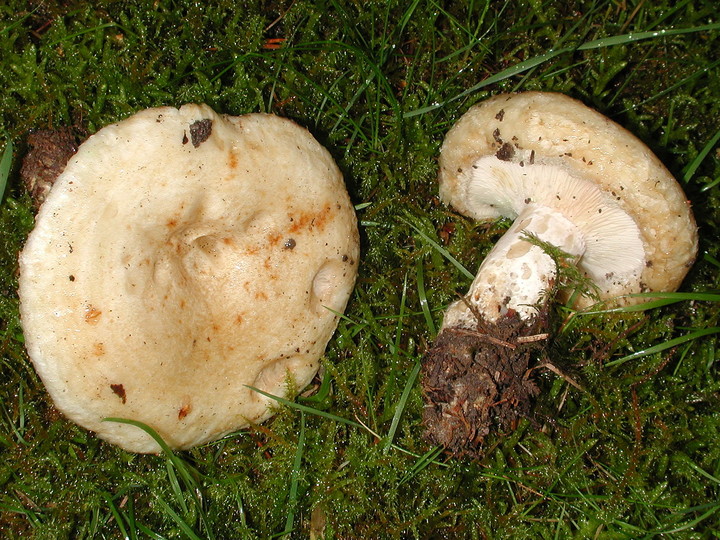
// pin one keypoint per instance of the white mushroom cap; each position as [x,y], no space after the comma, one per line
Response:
[180,257]
[551,150]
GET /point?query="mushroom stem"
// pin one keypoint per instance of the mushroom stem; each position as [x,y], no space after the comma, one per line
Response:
[517,274]
[475,375]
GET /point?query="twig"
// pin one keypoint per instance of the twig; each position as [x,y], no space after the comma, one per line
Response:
[532,339]
[493,340]
[556,370]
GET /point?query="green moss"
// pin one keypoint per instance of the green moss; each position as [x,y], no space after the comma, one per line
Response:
[633,454]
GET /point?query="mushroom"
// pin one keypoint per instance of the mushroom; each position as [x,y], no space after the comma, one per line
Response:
[181,258]
[580,189]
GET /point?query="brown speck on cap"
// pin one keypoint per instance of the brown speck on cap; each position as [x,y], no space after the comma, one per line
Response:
[119,391]
[92,315]
[506,152]
[184,411]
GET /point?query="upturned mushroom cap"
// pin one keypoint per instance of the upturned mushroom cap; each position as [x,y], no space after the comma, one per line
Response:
[548,149]
[179,258]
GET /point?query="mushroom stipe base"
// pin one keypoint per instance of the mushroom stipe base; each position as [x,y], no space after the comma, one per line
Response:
[477,380]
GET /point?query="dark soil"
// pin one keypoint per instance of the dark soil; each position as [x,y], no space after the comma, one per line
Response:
[49,152]
[477,381]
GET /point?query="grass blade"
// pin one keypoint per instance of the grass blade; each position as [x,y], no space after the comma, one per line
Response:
[655,300]
[184,527]
[664,346]
[424,304]
[5,165]
[175,487]
[305,408]
[530,63]
[401,405]
[444,252]
[426,459]
[150,534]
[294,478]
[116,514]
[182,467]
[690,170]
[333,417]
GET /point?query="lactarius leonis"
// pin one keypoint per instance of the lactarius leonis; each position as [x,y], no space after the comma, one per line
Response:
[573,180]
[179,258]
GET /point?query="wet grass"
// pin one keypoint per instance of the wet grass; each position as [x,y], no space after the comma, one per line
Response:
[634,453]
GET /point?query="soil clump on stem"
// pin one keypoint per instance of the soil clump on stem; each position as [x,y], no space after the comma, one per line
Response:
[477,380]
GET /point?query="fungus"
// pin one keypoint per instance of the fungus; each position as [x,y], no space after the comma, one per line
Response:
[181,257]
[575,183]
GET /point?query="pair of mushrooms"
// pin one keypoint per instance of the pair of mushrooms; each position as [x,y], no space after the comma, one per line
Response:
[183,256]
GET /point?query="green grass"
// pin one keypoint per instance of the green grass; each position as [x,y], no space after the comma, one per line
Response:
[635,454]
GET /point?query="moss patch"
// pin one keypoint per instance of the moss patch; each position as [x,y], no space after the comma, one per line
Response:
[634,454]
